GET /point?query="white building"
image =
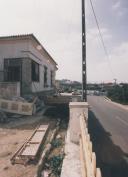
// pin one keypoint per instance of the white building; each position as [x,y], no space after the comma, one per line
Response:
[24,60]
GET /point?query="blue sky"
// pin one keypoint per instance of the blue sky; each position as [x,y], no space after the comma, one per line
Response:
[57,24]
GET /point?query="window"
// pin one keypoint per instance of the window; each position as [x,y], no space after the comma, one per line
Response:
[51,78]
[12,70]
[35,71]
[45,76]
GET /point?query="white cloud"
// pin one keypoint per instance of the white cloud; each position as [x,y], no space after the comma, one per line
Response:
[94,33]
[118,63]
[119,59]
[119,9]
[57,24]
[116,6]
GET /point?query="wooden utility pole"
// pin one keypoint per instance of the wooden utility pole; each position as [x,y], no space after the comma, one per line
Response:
[84,76]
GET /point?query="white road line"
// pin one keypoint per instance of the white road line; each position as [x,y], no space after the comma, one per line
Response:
[123,121]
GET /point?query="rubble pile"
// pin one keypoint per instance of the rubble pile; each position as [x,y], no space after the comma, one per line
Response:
[28,102]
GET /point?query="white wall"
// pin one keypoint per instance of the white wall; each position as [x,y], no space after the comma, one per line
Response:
[30,49]
[12,49]
[43,59]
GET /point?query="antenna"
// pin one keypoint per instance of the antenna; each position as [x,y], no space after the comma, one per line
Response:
[84,76]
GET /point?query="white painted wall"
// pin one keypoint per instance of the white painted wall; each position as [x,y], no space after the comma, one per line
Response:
[11,49]
[30,49]
[43,59]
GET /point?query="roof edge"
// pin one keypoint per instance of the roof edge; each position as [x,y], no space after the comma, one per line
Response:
[26,36]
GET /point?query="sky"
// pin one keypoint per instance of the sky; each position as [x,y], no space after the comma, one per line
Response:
[57,25]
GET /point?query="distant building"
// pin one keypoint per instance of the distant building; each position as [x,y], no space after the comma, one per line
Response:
[24,60]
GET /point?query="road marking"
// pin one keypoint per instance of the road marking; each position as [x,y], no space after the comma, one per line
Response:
[123,121]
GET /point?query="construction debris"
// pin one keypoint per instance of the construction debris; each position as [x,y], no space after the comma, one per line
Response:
[45,153]
[57,100]
[3,117]
[16,107]
[23,106]
[20,99]
[30,149]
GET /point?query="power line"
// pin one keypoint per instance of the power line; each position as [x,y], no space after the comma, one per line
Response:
[101,37]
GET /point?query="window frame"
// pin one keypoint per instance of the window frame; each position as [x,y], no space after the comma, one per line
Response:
[35,75]
[10,65]
[45,76]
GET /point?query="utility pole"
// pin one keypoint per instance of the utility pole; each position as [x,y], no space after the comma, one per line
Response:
[84,77]
[115,81]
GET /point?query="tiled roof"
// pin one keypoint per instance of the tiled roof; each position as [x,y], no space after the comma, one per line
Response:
[16,36]
[26,36]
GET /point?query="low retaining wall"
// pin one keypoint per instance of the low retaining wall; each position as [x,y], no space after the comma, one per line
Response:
[80,160]
[87,156]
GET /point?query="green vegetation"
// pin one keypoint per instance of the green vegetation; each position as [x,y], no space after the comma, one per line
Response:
[119,93]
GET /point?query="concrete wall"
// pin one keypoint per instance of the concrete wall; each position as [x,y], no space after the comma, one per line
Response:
[12,49]
[76,109]
[26,83]
[8,90]
[28,50]
[1,76]
[43,59]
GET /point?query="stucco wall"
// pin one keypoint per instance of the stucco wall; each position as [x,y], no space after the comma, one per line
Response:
[43,60]
[26,83]
[28,50]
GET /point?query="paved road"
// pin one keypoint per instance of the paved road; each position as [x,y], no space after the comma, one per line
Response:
[113,119]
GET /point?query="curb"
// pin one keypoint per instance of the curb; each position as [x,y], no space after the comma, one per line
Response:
[117,104]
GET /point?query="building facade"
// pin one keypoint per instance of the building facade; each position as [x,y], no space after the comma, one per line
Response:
[24,60]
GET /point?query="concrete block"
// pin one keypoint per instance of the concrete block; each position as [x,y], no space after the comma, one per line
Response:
[71,164]
[76,109]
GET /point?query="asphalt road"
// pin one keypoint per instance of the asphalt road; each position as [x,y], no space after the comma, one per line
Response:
[113,119]
[108,127]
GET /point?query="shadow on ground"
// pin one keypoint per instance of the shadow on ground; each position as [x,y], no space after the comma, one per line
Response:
[51,115]
[110,158]
[59,112]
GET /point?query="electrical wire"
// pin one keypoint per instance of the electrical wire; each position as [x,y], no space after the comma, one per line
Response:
[101,37]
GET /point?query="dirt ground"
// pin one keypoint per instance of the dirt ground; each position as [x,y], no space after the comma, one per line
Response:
[54,160]
[12,135]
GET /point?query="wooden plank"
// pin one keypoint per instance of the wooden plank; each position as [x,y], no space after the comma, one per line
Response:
[42,127]
[37,138]
[31,147]
[30,150]
[34,143]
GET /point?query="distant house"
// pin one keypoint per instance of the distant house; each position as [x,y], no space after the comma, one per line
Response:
[23,60]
